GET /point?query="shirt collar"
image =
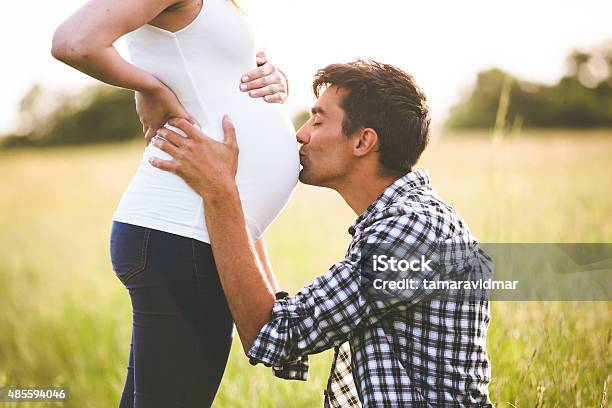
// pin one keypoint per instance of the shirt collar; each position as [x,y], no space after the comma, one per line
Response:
[398,188]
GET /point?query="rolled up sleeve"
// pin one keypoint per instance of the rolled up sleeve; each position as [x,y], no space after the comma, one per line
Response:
[273,345]
[319,317]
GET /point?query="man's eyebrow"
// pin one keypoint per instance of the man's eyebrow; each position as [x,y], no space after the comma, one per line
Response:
[317,110]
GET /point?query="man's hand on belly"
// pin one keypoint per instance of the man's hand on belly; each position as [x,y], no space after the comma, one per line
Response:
[208,166]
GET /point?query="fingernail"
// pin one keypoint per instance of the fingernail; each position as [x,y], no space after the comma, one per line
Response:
[253,93]
[259,59]
[245,78]
[152,160]
[243,87]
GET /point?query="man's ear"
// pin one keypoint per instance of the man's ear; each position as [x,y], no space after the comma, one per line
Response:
[364,141]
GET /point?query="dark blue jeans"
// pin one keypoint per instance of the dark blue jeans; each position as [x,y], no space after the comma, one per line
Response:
[182,327]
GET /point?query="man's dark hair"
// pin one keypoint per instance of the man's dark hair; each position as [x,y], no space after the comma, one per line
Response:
[386,99]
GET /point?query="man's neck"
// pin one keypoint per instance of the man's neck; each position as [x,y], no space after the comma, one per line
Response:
[359,190]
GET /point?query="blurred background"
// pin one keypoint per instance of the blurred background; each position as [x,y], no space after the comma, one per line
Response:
[521,98]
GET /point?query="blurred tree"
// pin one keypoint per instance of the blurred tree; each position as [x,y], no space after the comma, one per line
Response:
[27,110]
[583,98]
[576,61]
[98,114]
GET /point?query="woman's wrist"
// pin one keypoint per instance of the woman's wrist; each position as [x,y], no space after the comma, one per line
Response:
[151,85]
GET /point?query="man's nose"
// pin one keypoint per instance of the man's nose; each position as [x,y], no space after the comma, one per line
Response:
[302,135]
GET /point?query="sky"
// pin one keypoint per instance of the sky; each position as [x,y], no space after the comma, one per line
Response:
[443,44]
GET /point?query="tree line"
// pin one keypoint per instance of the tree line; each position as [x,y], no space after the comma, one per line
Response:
[582,98]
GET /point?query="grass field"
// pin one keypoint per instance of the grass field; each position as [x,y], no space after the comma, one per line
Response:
[65,318]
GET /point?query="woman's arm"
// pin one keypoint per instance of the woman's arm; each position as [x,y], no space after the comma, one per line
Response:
[85,42]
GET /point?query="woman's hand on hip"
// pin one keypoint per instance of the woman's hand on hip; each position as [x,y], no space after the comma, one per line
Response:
[155,107]
[266,81]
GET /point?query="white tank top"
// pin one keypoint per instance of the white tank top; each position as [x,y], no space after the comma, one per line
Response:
[203,63]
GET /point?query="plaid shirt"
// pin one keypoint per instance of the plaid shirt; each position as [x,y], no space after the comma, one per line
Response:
[407,353]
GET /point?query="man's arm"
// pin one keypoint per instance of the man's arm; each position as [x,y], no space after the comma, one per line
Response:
[249,294]
[264,260]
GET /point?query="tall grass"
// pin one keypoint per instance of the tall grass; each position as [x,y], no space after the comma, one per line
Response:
[65,319]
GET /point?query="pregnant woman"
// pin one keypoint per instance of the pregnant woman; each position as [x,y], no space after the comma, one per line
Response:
[188,59]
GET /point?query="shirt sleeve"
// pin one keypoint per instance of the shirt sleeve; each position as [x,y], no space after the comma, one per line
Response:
[323,314]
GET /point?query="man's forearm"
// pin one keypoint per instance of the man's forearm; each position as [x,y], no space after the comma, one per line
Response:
[266,266]
[209,167]
[248,292]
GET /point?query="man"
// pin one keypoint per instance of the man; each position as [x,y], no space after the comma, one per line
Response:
[368,128]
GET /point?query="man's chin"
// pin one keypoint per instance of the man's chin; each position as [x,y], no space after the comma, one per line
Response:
[305,178]
[309,179]
[302,177]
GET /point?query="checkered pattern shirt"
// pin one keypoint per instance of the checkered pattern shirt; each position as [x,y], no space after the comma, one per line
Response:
[404,353]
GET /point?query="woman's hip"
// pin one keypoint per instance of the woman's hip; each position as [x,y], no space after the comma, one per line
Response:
[169,273]
[161,256]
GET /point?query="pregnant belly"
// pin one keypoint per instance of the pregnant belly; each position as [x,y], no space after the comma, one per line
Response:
[268,167]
